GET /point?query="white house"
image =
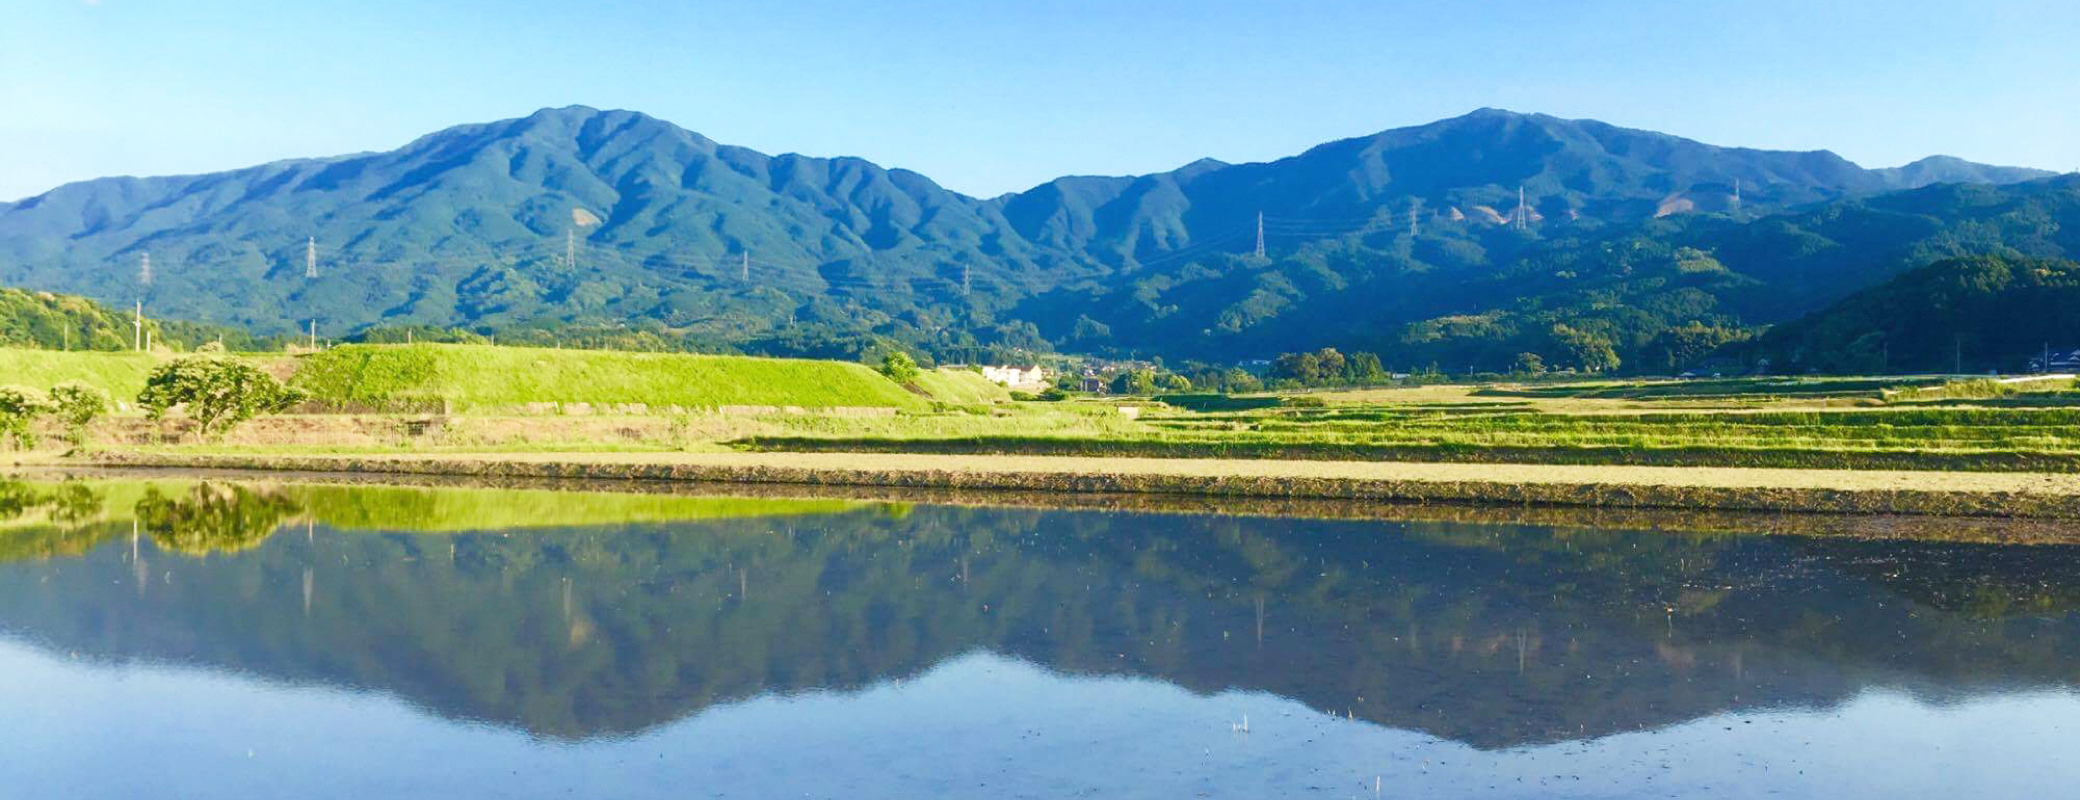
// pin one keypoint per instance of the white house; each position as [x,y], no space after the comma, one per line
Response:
[1033,378]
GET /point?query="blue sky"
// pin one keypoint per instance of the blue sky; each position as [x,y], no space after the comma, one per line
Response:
[988,97]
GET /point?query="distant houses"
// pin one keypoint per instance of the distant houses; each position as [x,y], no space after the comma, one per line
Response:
[2056,361]
[1030,379]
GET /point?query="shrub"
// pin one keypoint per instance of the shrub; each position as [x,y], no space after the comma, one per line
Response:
[78,406]
[1054,394]
[899,367]
[218,393]
[1304,402]
[19,408]
[1023,396]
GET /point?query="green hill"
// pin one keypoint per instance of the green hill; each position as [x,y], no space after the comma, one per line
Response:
[1983,313]
[488,377]
[67,322]
[960,386]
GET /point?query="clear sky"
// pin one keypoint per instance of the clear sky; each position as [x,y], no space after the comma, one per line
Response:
[988,97]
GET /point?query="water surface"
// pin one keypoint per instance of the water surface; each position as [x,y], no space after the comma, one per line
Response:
[214,639]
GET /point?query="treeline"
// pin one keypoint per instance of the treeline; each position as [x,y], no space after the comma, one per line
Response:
[1967,314]
[67,322]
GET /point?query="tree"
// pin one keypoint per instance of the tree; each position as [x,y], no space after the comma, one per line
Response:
[1240,381]
[899,367]
[1174,382]
[1135,381]
[78,406]
[1364,368]
[1529,364]
[217,392]
[1301,367]
[1329,364]
[19,408]
[1589,352]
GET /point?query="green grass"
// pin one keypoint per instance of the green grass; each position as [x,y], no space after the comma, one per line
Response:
[122,374]
[483,378]
[447,510]
[960,387]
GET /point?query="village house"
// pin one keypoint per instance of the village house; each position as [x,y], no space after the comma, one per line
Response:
[1031,379]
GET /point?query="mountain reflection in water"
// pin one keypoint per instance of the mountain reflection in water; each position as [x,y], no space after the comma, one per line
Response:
[550,621]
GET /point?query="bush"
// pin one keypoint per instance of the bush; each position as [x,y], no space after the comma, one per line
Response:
[218,393]
[78,406]
[1304,402]
[1023,396]
[19,408]
[899,367]
[1054,394]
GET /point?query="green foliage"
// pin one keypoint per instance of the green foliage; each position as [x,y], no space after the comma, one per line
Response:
[1983,313]
[78,405]
[1140,381]
[1585,350]
[899,367]
[1529,364]
[19,408]
[65,322]
[216,392]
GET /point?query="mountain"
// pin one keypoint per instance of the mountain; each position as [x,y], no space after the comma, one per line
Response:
[606,220]
[1970,314]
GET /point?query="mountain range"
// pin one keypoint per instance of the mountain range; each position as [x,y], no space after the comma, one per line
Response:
[1460,239]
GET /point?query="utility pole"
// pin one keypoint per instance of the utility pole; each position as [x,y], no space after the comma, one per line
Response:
[144,269]
[1958,342]
[314,334]
[1260,234]
[310,258]
[1736,193]
[137,328]
[2045,365]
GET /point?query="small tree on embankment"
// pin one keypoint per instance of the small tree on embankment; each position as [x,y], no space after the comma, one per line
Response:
[215,391]
[19,408]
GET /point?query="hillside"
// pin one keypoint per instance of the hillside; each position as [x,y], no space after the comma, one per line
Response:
[66,322]
[604,219]
[481,377]
[1983,313]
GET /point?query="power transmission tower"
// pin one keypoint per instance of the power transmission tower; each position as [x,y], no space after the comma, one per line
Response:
[570,249]
[310,257]
[1414,214]
[744,273]
[1736,193]
[964,280]
[1260,234]
[144,269]
[1523,211]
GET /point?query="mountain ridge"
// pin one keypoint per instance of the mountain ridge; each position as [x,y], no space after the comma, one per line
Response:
[580,216]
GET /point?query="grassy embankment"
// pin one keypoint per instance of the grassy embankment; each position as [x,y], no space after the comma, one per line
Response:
[483,378]
[121,374]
